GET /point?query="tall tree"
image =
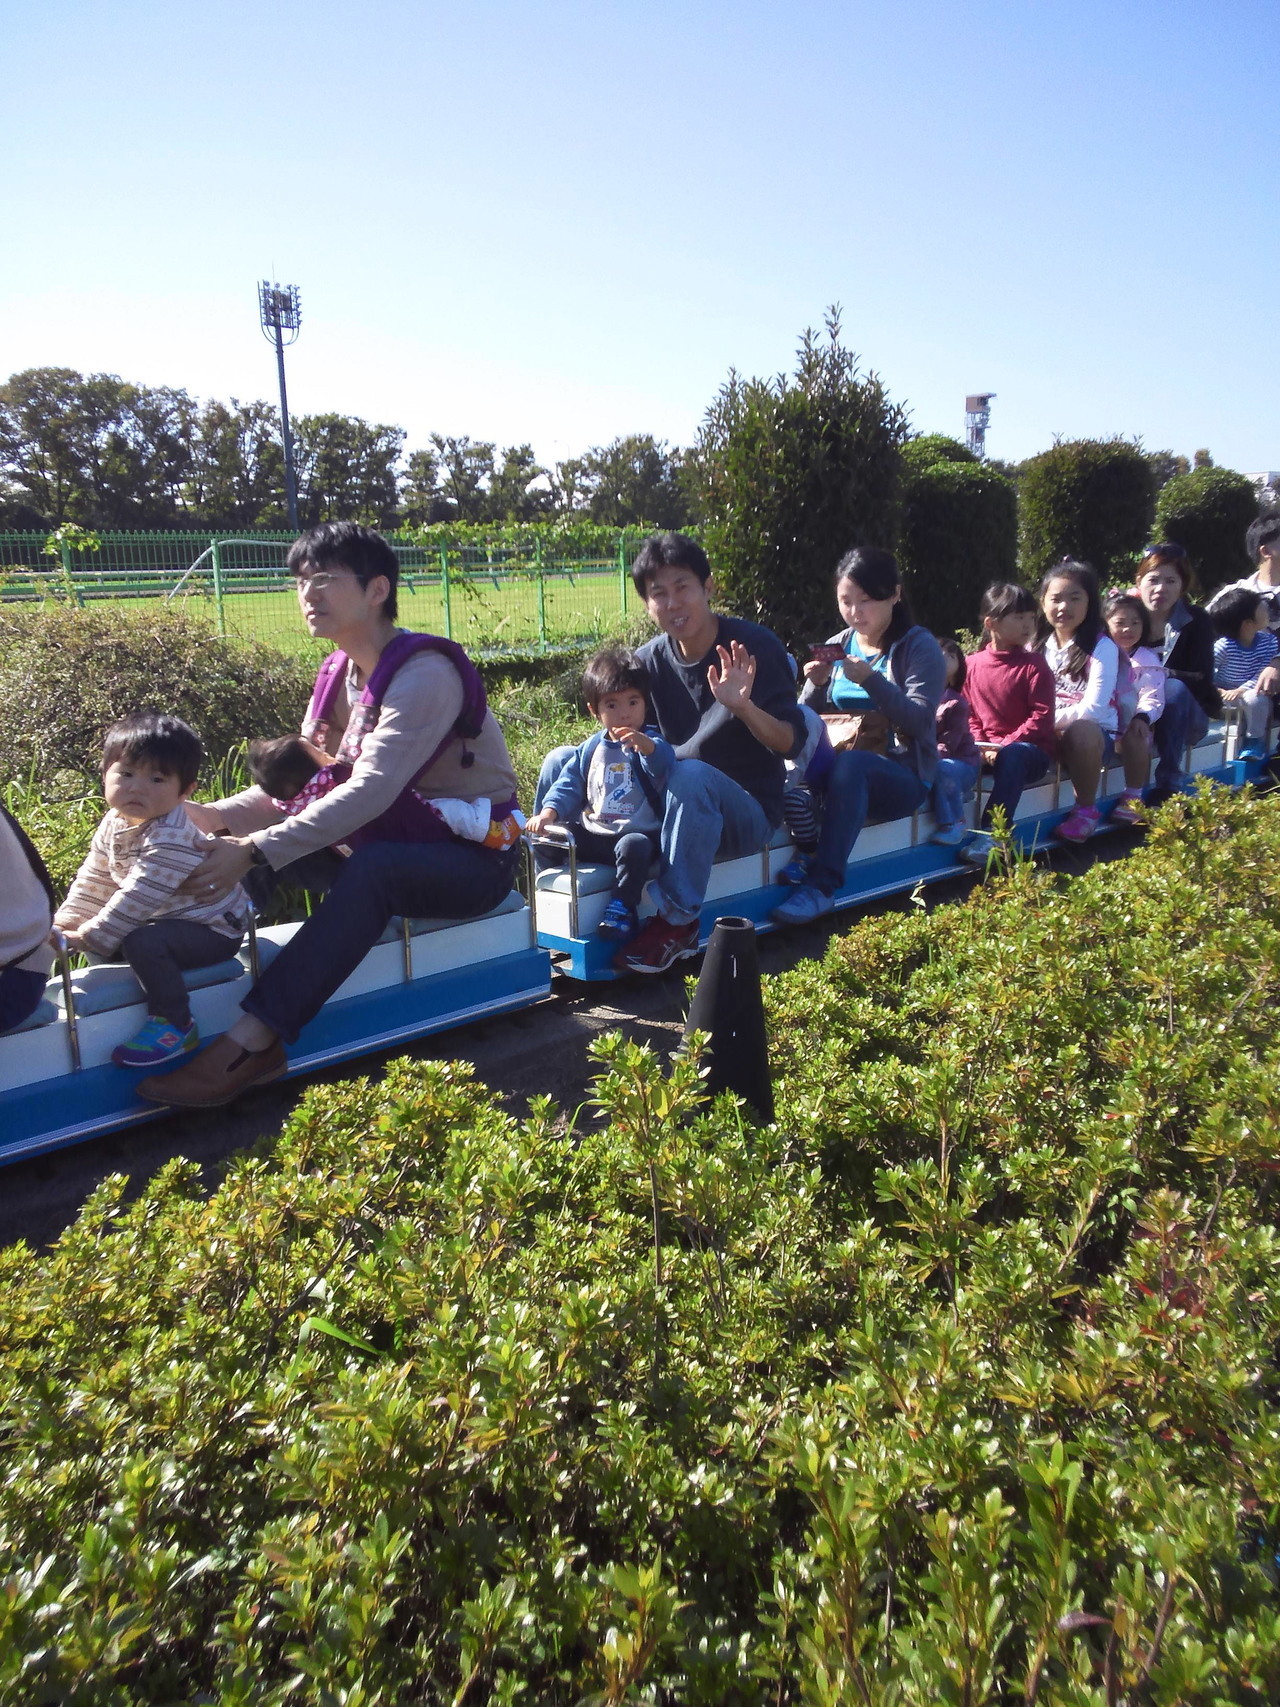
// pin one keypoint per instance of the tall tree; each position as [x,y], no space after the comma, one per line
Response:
[514,495]
[466,469]
[346,469]
[237,470]
[634,481]
[42,441]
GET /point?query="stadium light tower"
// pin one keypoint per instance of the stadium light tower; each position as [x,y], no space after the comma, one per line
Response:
[281,318]
[977,418]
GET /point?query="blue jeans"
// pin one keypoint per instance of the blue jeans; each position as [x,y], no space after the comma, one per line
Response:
[1017,765]
[953,784]
[441,880]
[1181,724]
[859,783]
[705,813]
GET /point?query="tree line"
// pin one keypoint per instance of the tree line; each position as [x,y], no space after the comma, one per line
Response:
[104,453]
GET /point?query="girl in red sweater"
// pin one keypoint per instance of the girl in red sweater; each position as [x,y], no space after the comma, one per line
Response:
[1010,690]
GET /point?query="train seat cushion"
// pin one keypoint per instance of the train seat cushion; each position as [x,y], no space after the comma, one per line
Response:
[99,989]
[511,903]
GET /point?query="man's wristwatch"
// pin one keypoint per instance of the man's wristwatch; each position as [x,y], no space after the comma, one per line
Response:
[256,855]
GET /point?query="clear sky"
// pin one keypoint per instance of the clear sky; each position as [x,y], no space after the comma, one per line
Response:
[565,221]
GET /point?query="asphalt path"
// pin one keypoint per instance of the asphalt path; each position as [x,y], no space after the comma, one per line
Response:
[538,1051]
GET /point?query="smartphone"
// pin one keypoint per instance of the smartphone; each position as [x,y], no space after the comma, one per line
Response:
[826,654]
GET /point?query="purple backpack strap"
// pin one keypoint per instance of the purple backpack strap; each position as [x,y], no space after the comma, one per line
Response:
[323,694]
[475,703]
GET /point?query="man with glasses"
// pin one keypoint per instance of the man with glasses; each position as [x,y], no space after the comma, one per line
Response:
[346,578]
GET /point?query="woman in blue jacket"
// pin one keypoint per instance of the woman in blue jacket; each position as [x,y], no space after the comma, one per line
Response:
[890,672]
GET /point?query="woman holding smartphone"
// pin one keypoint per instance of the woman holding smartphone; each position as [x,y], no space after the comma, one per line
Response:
[888,674]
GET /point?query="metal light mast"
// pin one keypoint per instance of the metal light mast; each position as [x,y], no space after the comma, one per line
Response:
[281,318]
[977,418]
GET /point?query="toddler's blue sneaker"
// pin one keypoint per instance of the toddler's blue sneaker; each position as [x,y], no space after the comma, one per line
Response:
[806,904]
[157,1041]
[1253,751]
[620,922]
[948,835]
[977,847]
[795,871]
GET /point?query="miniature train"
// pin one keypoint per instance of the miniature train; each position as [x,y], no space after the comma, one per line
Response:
[58,1084]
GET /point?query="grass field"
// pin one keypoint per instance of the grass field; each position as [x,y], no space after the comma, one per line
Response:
[485,612]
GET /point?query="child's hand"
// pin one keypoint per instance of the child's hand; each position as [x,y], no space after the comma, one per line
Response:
[540,820]
[70,937]
[989,750]
[1232,694]
[635,740]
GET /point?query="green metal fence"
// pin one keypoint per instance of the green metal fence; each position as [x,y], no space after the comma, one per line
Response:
[491,597]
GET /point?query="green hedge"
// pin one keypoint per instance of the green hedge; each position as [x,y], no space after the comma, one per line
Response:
[959,534]
[1209,510]
[1088,498]
[957,1384]
[66,674]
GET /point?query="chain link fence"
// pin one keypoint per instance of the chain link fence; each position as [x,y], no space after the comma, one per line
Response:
[492,597]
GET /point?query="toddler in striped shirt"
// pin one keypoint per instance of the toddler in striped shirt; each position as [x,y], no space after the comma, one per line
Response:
[1244,666]
[126,901]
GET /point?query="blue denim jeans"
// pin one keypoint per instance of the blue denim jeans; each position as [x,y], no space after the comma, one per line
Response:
[442,880]
[705,813]
[1181,724]
[1018,765]
[859,783]
[952,786]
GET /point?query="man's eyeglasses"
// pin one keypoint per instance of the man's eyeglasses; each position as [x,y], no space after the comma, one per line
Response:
[319,579]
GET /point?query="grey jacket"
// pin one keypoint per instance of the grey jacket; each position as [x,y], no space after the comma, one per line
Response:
[908,696]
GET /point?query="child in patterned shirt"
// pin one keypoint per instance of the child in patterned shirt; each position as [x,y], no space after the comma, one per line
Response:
[125,900]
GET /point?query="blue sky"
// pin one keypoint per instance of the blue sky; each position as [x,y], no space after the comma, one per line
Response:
[564,222]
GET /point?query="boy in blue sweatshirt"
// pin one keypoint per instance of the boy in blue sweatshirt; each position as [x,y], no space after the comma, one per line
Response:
[608,793]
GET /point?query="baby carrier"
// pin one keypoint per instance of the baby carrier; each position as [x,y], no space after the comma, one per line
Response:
[410,817]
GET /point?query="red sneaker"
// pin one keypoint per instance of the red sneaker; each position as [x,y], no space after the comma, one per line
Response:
[659,945]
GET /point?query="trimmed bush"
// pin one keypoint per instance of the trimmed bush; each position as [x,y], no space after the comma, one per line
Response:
[930,448]
[790,474]
[1089,498]
[1208,511]
[959,533]
[957,1384]
[66,674]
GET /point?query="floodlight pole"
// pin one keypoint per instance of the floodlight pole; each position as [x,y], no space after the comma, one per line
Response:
[280,312]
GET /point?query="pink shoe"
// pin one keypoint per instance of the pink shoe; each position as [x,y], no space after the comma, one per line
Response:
[1128,809]
[1079,825]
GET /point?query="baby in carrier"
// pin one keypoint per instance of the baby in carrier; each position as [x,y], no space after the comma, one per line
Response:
[295,771]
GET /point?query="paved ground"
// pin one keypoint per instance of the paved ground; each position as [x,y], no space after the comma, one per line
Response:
[541,1050]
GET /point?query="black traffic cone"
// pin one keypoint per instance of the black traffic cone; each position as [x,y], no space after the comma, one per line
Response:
[727,1004]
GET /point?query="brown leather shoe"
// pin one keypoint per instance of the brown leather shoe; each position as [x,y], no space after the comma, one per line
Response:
[216,1075]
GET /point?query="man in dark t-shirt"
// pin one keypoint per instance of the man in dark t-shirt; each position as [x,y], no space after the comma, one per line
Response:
[722,691]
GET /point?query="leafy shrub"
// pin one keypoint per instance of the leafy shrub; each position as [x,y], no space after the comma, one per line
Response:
[66,674]
[1089,498]
[1208,511]
[930,448]
[956,1384]
[791,473]
[959,533]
